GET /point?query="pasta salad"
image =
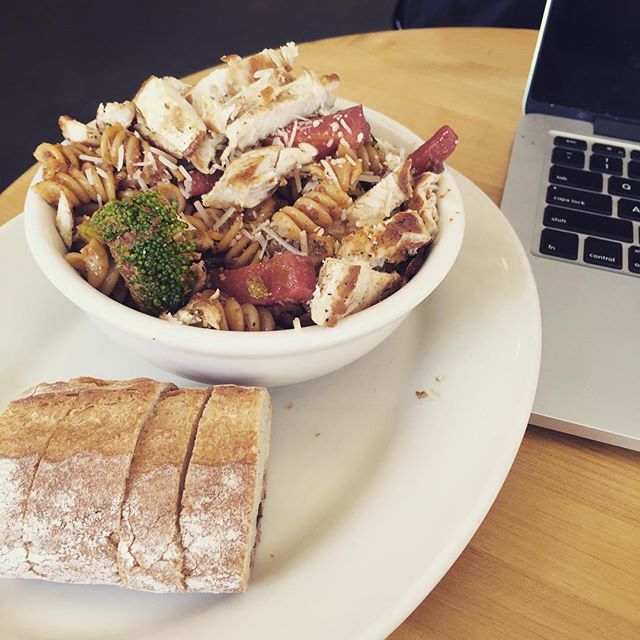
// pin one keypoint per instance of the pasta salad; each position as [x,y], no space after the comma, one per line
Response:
[244,201]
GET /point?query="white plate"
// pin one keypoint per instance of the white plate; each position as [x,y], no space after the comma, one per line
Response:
[372,492]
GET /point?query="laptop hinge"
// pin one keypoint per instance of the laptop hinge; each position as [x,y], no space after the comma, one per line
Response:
[616,129]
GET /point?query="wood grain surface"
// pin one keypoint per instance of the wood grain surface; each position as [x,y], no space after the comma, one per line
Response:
[558,556]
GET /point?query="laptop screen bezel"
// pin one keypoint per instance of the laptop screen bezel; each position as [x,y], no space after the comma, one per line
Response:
[530,105]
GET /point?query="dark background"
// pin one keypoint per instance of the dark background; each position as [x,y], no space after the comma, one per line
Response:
[66,56]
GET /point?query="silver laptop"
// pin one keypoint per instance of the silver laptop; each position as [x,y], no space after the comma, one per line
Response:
[573,196]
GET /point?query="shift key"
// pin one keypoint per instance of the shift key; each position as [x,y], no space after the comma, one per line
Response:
[581,200]
[588,223]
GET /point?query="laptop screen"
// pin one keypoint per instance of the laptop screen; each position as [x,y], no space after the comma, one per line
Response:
[589,61]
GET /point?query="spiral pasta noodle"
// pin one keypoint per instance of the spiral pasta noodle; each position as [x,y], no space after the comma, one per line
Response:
[94,263]
[120,148]
[201,221]
[237,244]
[349,164]
[315,210]
[81,186]
[244,317]
[62,157]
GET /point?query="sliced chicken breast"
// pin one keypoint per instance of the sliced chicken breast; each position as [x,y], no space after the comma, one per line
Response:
[252,176]
[345,287]
[168,116]
[377,203]
[212,96]
[302,97]
[425,200]
[115,113]
[75,131]
[393,240]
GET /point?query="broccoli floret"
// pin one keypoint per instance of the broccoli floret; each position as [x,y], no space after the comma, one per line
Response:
[151,248]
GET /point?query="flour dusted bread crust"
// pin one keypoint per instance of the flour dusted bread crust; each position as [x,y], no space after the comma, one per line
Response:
[223,489]
[134,483]
[150,552]
[26,426]
[72,521]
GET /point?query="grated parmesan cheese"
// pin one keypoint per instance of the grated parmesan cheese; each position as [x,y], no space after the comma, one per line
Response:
[294,131]
[198,205]
[296,178]
[368,177]
[167,163]
[102,173]
[184,172]
[142,183]
[120,157]
[225,216]
[283,243]
[345,126]
[296,324]
[87,172]
[94,159]
[304,245]
[328,169]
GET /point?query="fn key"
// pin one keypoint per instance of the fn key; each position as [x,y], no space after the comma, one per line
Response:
[559,244]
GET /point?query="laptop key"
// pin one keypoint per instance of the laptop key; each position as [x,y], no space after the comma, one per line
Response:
[588,223]
[628,209]
[581,200]
[569,143]
[634,259]
[576,178]
[635,154]
[603,253]
[608,150]
[633,169]
[559,244]
[606,164]
[568,158]
[624,187]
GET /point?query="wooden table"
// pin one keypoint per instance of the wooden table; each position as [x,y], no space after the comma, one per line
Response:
[558,556]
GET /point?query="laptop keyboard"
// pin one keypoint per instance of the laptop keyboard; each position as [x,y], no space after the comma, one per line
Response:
[592,204]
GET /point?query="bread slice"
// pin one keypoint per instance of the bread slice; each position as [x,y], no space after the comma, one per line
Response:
[72,520]
[150,555]
[26,426]
[223,489]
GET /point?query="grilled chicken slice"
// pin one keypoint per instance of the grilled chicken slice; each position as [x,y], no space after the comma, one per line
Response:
[345,287]
[393,240]
[75,131]
[115,113]
[252,176]
[167,116]
[204,157]
[425,199]
[212,97]
[377,203]
[302,97]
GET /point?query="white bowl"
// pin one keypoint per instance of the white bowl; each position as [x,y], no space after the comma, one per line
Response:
[271,358]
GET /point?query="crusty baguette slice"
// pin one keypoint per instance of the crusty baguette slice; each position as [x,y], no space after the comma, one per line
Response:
[150,555]
[223,489]
[26,426]
[72,521]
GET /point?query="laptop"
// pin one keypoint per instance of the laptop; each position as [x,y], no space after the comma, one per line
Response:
[573,196]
